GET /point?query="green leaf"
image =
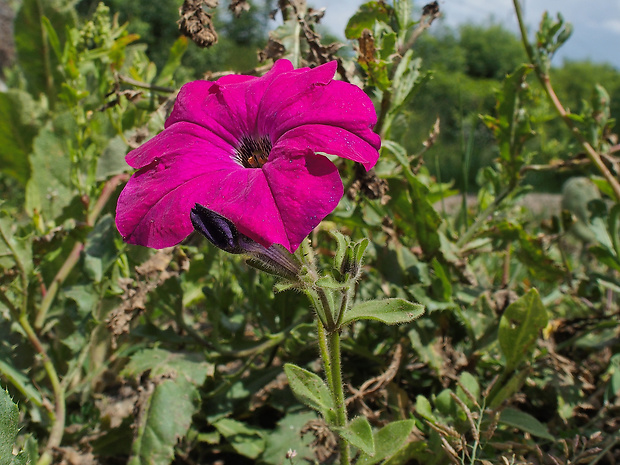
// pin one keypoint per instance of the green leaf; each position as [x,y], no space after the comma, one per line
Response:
[112,159]
[20,248]
[359,249]
[343,242]
[288,436]
[247,441]
[388,440]
[9,417]
[162,363]
[423,408]
[49,189]
[19,115]
[525,422]
[426,219]
[359,434]
[469,382]
[174,62]
[20,381]
[365,18]
[440,282]
[164,419]
[100,251]
[328,282]
[512,127]
[519,328]
[389,311]
[309,389]
[406,80]
[403,10]
[613,223]
[52,36]
[289,35]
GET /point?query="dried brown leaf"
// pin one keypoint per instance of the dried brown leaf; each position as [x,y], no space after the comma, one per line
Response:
[196,24]
[238,7]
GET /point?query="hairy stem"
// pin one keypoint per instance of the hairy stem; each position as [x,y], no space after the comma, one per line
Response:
[543,77]
[338,392]
[324,350]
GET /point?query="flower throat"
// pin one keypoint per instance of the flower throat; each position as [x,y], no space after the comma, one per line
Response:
[253,153]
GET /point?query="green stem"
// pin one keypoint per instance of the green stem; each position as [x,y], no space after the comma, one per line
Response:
[323,347]
[58,417]
[74,256]
[330,324]
[338,393]
[543,77]
[347,295]
[72,259]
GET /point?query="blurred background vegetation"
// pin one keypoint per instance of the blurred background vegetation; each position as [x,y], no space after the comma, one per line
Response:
[78,101]
[466,66]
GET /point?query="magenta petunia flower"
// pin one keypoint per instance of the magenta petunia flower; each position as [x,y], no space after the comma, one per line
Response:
[246,148]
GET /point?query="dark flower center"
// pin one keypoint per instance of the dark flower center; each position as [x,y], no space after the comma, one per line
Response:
[253,153]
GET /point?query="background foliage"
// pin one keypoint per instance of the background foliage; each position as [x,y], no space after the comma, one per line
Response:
[117,354]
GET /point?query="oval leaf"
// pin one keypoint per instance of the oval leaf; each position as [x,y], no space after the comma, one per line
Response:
[388,440]
[525,422]
[9,417]
[519,327]
[388,311]
[359,434]
[309,389]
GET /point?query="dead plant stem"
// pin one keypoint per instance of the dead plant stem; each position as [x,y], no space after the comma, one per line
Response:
[543,77]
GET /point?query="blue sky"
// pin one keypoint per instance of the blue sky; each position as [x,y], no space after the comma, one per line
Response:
[596,23]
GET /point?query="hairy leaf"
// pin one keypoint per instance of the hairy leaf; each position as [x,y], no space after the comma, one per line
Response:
[519,328]
[9,416]
[309,389]
[389,311]
[359,434]
[19,115]
[164,419]
[388,440]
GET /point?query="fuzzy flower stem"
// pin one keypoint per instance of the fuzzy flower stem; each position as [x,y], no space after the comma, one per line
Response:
[338,392]
[323,347]
[329,342]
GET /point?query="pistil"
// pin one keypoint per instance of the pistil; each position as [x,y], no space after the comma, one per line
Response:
[253,152]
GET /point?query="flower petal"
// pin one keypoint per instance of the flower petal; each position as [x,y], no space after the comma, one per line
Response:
[178,155]
[332,140]
[182,138]
[313,97]
[154,207]
[227,107]
[306,188]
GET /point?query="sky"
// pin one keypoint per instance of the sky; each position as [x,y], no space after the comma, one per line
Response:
[596,23]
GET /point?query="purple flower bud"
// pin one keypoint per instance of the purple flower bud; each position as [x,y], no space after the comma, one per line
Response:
[220,231]
[223,234]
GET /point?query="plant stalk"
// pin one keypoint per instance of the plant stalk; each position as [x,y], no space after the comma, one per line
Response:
[324,349]
[543,77]
[338,393]
[58,415]
[74,256]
